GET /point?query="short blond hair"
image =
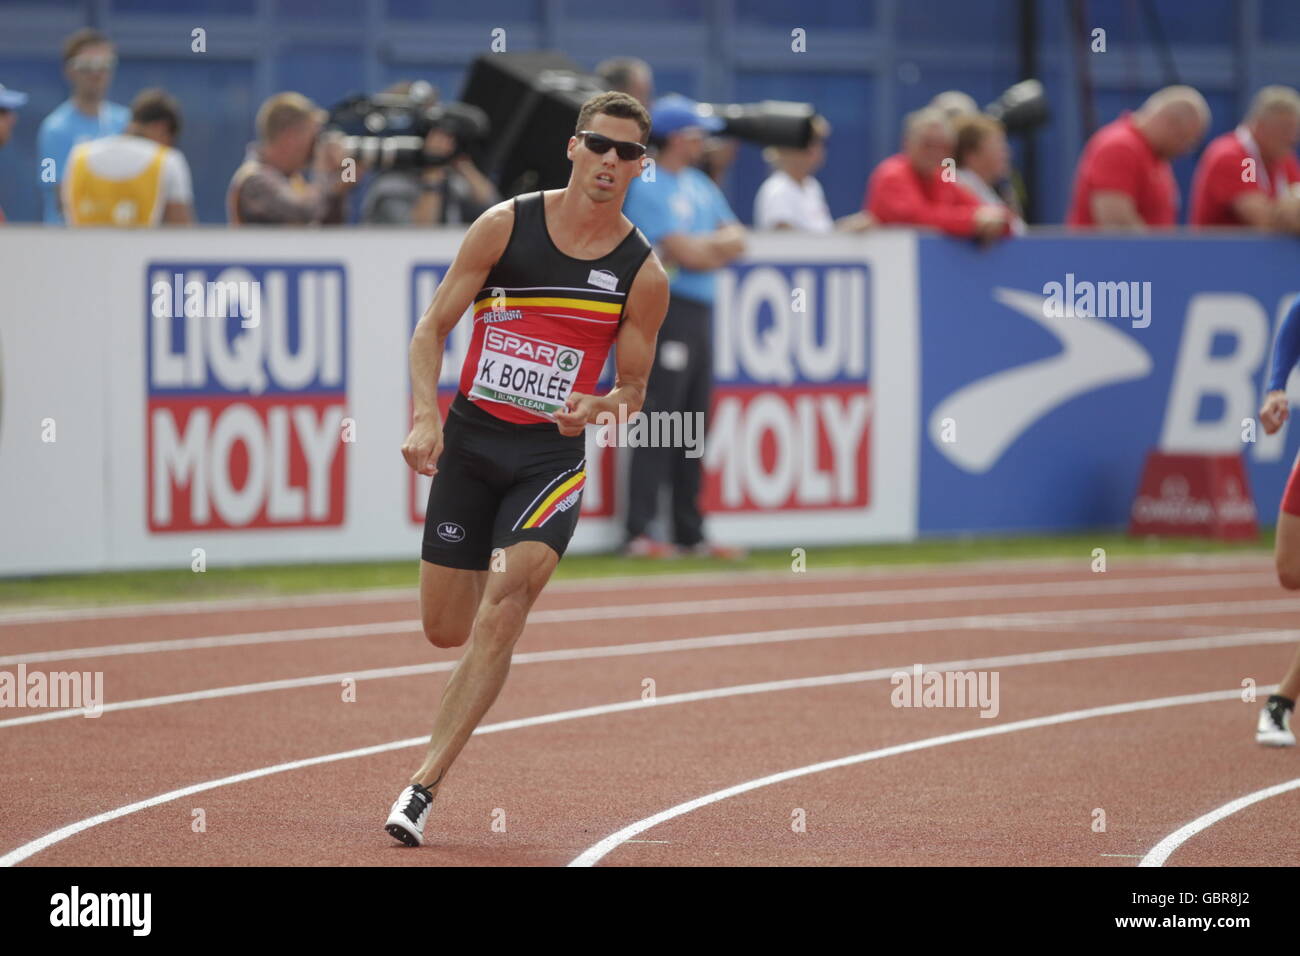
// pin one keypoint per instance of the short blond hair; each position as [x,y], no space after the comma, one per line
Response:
[1274,99]
[916,121]
[283,111]
[971,132]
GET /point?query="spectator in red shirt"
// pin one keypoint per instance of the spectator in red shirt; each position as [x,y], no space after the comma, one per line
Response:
[1124,180]
[916,187]
[1248,177]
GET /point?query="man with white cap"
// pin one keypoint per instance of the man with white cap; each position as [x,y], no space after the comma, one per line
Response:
[684,214]
[10,102]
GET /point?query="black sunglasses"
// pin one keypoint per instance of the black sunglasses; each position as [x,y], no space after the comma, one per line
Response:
[600,145]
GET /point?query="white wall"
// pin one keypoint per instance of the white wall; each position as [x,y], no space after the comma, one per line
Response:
[73,348]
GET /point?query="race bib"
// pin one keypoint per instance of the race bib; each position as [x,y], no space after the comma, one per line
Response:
[531,373]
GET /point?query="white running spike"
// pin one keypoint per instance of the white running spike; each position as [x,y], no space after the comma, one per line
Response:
[407,817]
[1274,728]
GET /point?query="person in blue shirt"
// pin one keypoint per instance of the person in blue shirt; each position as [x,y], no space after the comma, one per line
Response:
[1274,728]
[10,102]
[685,216]
[89,59]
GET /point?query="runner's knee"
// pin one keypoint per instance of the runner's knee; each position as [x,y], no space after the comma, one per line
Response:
[441,631]
[1288,573]
[503,613]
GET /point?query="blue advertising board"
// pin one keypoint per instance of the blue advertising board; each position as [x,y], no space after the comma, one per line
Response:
[1051,367]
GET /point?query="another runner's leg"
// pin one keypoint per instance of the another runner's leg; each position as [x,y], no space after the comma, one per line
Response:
[482,671]
[1275,719]
[1288,574]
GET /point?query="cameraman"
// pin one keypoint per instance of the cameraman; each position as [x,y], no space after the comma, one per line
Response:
[269,187]
[450,191]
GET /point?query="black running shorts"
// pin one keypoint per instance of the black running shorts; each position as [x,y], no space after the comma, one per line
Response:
[499,483]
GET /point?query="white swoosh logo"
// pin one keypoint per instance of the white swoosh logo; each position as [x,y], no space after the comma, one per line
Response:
[990,414]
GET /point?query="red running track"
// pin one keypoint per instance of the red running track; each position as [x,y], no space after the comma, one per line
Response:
[752,676]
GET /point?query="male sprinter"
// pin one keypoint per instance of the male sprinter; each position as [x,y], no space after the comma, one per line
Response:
[1274,729]
[555,278]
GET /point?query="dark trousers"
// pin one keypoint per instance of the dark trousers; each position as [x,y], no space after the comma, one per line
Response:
[680,381]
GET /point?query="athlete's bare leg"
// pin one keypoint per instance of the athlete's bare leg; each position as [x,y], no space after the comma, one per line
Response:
[1287,554]
[449,599]
[481,672]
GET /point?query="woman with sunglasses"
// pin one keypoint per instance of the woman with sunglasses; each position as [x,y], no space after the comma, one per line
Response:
[88,63]
[555,279]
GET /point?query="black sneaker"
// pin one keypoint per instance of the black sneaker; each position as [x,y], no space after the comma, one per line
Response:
[406,819]
[1274,728]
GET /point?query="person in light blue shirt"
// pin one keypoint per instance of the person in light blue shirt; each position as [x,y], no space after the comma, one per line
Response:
[686,217]
[88,63]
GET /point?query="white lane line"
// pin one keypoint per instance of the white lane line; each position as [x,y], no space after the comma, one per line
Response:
[786,635]
[284,636]
[695,608]
[675,581]
[59,615]
[593,854]
[33,847]
[722,640]
[976,592]
[1161,852]
[1152,612]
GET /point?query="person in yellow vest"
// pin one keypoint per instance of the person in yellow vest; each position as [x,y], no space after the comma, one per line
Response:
[269,187]
[135,178]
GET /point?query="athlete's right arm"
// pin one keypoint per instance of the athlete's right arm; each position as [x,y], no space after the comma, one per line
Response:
[483,245]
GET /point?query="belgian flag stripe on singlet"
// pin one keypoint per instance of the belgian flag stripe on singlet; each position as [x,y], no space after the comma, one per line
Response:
[559,307]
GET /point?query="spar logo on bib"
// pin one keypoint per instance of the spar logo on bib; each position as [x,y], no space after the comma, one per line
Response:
[531,373]
[244,421]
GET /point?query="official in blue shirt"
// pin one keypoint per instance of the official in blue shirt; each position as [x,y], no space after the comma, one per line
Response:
[88,63]
[695,233]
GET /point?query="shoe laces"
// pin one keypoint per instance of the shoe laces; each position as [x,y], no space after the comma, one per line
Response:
[1278,714]
[417,801]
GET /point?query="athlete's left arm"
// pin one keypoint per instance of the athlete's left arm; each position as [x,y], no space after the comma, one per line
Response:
[1286,351]
[647,303]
